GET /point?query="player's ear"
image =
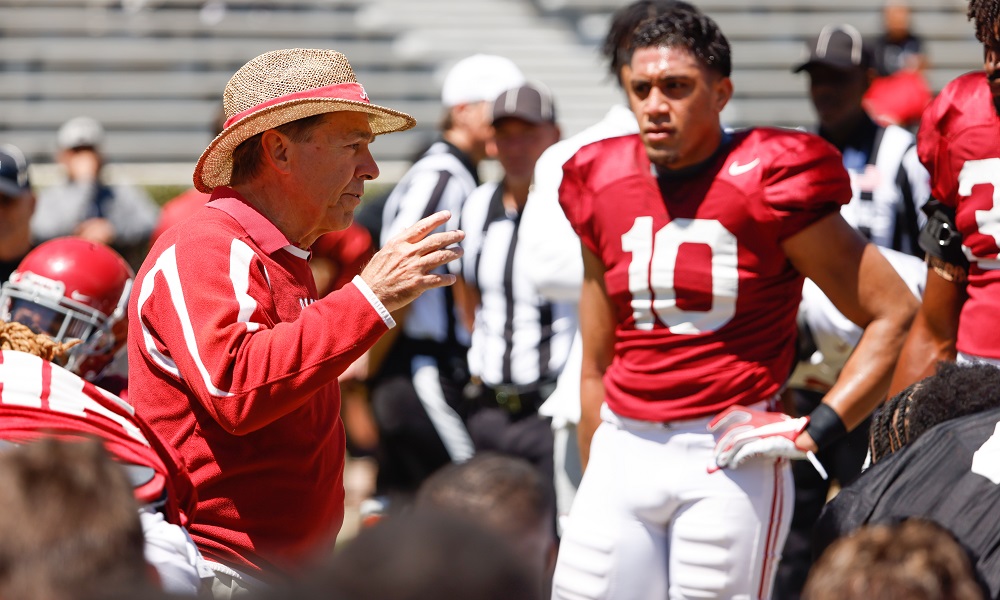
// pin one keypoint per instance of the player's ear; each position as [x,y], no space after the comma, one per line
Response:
[723,92]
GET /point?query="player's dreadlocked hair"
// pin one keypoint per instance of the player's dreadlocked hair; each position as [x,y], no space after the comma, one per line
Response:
[617,48]
[684,26]
[19,337]
[985,15]
[953,391]
[889,428]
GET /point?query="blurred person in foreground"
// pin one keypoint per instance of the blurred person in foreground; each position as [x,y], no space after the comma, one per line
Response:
[423,555]
[233,356]
[506,495]
[69,529]
[912,560]
[119,215]
[695,244]
[959,144]
[17,204]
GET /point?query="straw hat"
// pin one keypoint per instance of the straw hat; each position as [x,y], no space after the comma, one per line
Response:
[280,87]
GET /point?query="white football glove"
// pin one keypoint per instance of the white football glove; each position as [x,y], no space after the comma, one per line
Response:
[749,434]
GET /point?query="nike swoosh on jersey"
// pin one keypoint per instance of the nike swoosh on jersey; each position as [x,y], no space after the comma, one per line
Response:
[735,168]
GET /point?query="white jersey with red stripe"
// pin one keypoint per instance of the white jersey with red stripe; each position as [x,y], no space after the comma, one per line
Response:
[40,399]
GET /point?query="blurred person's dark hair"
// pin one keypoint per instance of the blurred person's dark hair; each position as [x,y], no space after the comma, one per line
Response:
[505,494]
[912,560]
[953,391]
[421,555]
[69,527]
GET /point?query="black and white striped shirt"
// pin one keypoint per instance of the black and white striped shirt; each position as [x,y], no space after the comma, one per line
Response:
[518,338]
[442,178]
[889,187]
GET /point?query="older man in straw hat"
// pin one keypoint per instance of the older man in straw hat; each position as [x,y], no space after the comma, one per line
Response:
[232,357]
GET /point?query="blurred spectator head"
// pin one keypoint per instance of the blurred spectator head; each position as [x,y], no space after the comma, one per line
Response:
[840,70]
[70,526]
[507,495]
[914,560]
[79,141]
[80,132]
[73,289]
[896,19]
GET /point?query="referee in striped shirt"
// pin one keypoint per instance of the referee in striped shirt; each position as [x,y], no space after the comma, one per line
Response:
[519,340]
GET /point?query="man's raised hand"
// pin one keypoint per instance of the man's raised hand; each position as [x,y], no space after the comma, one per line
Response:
[404,268]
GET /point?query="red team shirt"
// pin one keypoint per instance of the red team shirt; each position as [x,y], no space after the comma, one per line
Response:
[959,143]
[704,295]
[39,399]
[234,361]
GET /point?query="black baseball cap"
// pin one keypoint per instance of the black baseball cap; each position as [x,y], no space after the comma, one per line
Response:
[531,102]
[838,46]
[13,171]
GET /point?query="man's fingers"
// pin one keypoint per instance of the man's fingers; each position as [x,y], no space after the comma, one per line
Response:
[440,240]
[437,258]
[434,280]
[419,230]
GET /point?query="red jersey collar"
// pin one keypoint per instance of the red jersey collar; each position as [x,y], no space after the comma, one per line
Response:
[263,232]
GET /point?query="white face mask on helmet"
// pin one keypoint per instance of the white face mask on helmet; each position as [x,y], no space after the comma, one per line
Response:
[70,288]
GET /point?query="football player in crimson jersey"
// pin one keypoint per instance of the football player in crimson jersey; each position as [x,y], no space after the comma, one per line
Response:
[959,143]
[695,245]
[63,323]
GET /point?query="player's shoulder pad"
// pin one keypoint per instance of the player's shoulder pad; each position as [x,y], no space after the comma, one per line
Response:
[939,237]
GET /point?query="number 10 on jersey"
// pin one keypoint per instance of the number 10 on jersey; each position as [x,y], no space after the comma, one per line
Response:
[657,293]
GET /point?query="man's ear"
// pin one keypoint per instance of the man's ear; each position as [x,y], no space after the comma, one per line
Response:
[723,92]
[275,147]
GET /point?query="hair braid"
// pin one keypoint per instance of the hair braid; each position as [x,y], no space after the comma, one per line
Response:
[985,14]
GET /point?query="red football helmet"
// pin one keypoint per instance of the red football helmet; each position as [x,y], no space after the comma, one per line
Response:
[71,288]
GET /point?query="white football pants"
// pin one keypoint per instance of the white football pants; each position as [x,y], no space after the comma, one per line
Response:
[650,522]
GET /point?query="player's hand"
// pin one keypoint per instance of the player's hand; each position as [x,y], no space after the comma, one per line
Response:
[749,434]
[404,268]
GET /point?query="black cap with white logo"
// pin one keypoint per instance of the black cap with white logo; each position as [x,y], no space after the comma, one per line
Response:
[838,46]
